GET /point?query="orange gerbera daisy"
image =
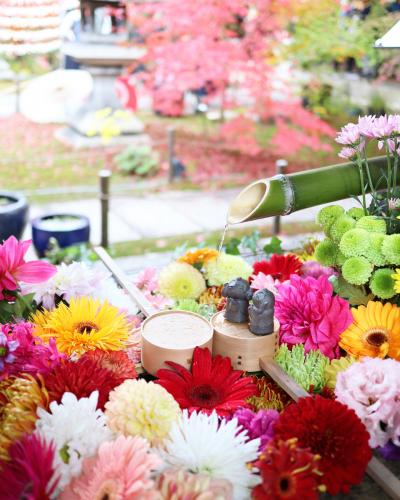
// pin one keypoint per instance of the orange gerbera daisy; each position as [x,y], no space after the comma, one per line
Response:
[375,331]
[199,256]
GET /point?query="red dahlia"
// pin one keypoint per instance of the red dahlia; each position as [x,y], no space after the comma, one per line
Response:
[288,472]
[280,267]
[333,431]
[211,385]
[82,377]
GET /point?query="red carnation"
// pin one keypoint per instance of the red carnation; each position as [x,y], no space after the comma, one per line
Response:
[288,472]
[211,385]
[82,377]
[280,267]
[333,431]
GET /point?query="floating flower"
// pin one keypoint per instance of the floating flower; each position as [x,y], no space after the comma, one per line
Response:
[77,428]
[202,444]
[199,256]
[19,399]
[121,469]
[30,473]
[334,368]
[371,388]
[212,384]
[261,281]
[175,484]
[280,267]
[375,331]
[309,314]
[269,396]
[181,281]
[84,325]
[258,425]
[288,472]
[334,432]
[137,407]
[13,267]
[7,347]
[226,268]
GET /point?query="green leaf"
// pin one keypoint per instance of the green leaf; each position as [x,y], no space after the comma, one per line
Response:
[354,294]
[274,246]
[251,241]
[232,246]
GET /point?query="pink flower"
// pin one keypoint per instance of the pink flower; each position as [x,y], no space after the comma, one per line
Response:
[13,267]
[310,315]
[366,125]
[384,126]
[349,134]
[7,347]
[371,388]
[347,153]
[261,281]
[315,270]
[258,425]
[121,469]
[147,279]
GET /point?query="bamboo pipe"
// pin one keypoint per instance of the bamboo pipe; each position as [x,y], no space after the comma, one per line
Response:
[284,194]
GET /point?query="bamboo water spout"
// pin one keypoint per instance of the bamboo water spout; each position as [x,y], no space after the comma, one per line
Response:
[284,194]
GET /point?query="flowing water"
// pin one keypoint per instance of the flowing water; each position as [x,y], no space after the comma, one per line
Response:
[221,244]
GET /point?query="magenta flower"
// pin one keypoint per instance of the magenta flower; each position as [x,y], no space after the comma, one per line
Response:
[309,314]
[258,425]
[349,135]
[13,267]
[315,270]
[7,347]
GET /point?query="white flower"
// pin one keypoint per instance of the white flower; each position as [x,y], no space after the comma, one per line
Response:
[77,429]
[110,291]
[201,444]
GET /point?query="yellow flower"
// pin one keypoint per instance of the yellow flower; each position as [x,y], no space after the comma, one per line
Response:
[86,324]
[180,280]
[396,277]
[19,399]
[375,331]
[225,268]
[334,367]
[146,409]
[199,256]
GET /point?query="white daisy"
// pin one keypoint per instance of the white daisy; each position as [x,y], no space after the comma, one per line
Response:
[77,429]
[201,444]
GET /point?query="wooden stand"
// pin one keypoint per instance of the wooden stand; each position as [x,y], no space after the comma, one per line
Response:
[243,347]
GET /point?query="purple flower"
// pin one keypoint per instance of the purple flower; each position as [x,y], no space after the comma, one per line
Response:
[258,425]
[390,451]
[7,347]
[315,270]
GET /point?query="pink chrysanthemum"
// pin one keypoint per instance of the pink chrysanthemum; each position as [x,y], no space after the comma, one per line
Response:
[121,469]
[309,314]
[258,425]
[30,472]
[315,270]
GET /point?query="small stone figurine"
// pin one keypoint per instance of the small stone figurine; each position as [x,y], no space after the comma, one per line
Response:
[238,294]
[261,313]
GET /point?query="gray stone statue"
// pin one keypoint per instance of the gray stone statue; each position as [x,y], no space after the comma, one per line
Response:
[238,294]
[261,312]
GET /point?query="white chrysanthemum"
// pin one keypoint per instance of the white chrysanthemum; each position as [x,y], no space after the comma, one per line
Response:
[77,428]
[201,444]
[226,268]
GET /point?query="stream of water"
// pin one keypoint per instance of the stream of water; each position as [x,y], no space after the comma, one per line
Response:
[221,243]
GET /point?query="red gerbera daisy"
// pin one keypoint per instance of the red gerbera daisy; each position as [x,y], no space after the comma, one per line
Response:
[30,472]
[280,267]
[82,377]
[211,385]
[288,472]
[333,431]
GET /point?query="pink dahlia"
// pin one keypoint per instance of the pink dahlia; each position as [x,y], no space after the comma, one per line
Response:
[309,314]
[13,267]
[121,469]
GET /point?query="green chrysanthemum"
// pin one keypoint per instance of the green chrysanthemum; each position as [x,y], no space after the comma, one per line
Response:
[181,281]
[356,213]
[328,215]
[382,284]
[354,242]
[372,224]
[336,366]
[357,270]
[340,226]
[391,248]
[306,369]
[225,268]
[191,305]
[373,252]
[326,252]
[340,258]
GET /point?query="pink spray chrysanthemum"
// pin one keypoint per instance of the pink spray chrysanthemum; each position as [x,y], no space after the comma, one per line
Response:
[309,314]
[315,270]
[121,469]
[371,388]
[349,135]
[13,267]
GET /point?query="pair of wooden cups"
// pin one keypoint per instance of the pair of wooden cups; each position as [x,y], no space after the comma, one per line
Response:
[173,335]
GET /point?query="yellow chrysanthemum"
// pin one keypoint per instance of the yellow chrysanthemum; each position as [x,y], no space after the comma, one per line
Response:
[199,256]
[86,324]
[375,331]
[180,280]
[226,268]
[140,408]
[396,277]
[19,399]
[334,367]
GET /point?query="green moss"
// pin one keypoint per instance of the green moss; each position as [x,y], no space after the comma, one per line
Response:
[328,215]
[356,213]
[340,226]
[372,224]
[382,283]
[325,252]
[373,252]
[354,242]
[391,248]
[357,270]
